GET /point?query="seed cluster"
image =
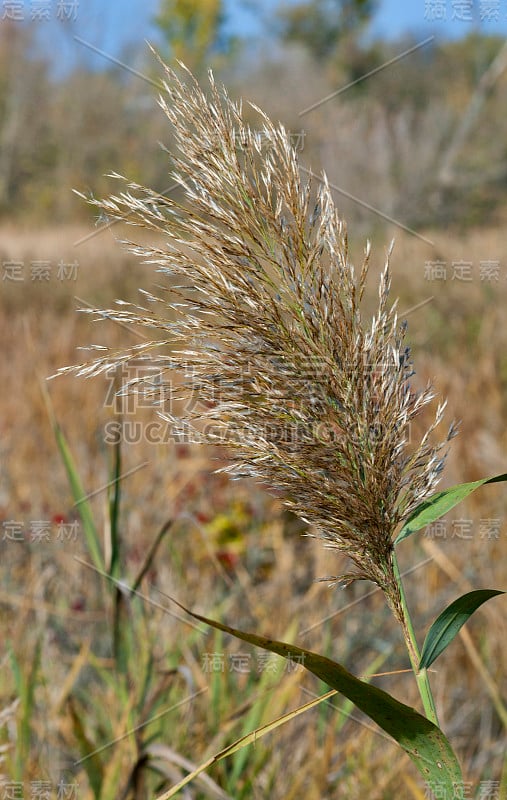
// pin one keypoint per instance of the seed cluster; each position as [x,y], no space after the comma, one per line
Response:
[264,325]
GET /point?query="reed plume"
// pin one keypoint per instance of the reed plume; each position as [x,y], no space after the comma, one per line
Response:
[264,325]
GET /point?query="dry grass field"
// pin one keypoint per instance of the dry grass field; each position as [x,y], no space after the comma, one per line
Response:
[232,553]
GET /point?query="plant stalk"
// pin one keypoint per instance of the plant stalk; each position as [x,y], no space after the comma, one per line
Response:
[421,675]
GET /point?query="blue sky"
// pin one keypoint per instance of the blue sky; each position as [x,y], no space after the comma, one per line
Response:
[118,24]
[448,19]
[394,18]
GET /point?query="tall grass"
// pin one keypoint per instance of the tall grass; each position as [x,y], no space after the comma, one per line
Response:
[49,598]
[269,296]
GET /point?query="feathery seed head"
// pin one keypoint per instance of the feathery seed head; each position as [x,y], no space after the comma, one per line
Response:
[266,329]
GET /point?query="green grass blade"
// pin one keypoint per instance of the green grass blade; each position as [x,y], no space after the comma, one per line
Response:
[114,511]
[152,553]
[503,782]
[90,760]
[25,688]
[259,709]
[449,622]
[78,492]
[423,741]
[123,645]
[239,744]
[439,504]
[80,499]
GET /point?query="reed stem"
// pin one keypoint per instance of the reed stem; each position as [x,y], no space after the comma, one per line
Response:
[421,675]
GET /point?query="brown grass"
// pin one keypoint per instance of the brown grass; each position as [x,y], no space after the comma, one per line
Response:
[266,574]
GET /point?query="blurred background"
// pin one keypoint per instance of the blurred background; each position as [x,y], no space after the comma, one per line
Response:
[402,104]
[108,695]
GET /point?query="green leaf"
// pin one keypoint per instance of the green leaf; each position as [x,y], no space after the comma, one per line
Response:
[449,622]
[439,504]
[424,742]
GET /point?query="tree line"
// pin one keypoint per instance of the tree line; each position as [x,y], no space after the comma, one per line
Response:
[416,129]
